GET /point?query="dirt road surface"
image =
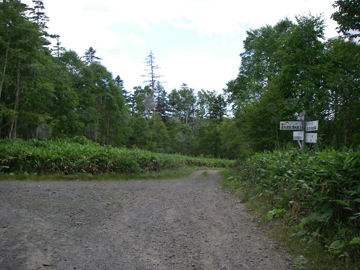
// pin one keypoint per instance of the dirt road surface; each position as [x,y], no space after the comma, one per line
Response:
[176,224]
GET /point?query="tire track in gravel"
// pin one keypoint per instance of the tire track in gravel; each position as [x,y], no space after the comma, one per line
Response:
[176,224]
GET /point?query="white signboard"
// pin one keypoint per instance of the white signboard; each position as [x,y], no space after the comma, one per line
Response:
[312,126]
[310,137]
[298,135]
[297,125]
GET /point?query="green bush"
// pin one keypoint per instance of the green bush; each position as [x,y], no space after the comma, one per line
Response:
[80,155]
[319,190]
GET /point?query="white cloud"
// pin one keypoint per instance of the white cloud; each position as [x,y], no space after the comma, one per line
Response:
[208,17]
[232,17]
[97,7]
[198,70]
[129,70]
[85,23]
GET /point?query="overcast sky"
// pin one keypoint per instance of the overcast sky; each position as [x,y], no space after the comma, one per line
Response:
[196,42]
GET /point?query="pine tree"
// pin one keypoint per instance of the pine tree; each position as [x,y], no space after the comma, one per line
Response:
[22,60]
[126,94]
[161,103]
[38,14]
[57,49]
[90,55]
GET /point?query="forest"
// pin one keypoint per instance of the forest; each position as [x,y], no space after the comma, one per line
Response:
[64,113]
[49,92]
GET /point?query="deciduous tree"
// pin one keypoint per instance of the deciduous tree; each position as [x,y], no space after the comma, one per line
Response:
[182,103]
[348,17]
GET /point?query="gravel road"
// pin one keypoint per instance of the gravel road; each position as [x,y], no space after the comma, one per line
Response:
[175,224]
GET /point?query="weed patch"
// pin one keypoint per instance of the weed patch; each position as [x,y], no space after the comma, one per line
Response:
[160,175]
[205,174]
[316,196]
[85,159]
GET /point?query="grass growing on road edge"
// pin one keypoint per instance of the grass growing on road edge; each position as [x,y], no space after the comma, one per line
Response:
[311,201]
[204,174]
[159,175]
[305,255]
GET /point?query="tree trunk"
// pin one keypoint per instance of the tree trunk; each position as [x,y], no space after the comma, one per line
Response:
[12,133]
[153,93]
[336,137]
[108,131]
[4,67]
[335,121]
[15,127]
[96,131]
[277,135]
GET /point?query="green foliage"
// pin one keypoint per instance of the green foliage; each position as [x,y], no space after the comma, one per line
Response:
[347,16]
[140,133]
[181,137]
[288,68]
[211,105]
[182,103]
[277,213]
[81,155]
[24,90]
[285,69]
[142,101]
[209,138]
[319,191]
[45,97]
[160,134]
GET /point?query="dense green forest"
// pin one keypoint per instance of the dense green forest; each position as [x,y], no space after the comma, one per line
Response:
[73,116]
[47,91]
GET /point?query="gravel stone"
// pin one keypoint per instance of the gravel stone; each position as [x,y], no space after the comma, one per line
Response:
[175,224]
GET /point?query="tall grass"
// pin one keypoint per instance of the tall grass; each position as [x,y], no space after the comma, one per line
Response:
[80,155]
[318,192]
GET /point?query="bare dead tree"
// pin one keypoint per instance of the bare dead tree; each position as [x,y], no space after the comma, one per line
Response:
[151,75]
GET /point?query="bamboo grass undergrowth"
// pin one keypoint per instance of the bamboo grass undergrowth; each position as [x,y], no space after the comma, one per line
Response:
[311,202]
[82,156]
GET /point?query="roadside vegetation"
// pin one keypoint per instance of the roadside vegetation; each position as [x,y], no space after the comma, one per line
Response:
[50,92]
[64,116]
[312,198]
[81,156]
[166,174]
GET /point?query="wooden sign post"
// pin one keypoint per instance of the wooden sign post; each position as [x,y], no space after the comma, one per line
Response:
[302,136]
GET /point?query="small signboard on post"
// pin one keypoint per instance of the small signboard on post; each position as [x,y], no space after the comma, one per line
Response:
[297,125]
[300,135]
[312,126]
[310,137]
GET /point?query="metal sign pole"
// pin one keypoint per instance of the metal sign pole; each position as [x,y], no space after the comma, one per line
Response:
[301,136]
[304,131]
[299,143]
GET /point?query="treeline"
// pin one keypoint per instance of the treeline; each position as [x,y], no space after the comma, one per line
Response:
[48,92]
[288,68]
